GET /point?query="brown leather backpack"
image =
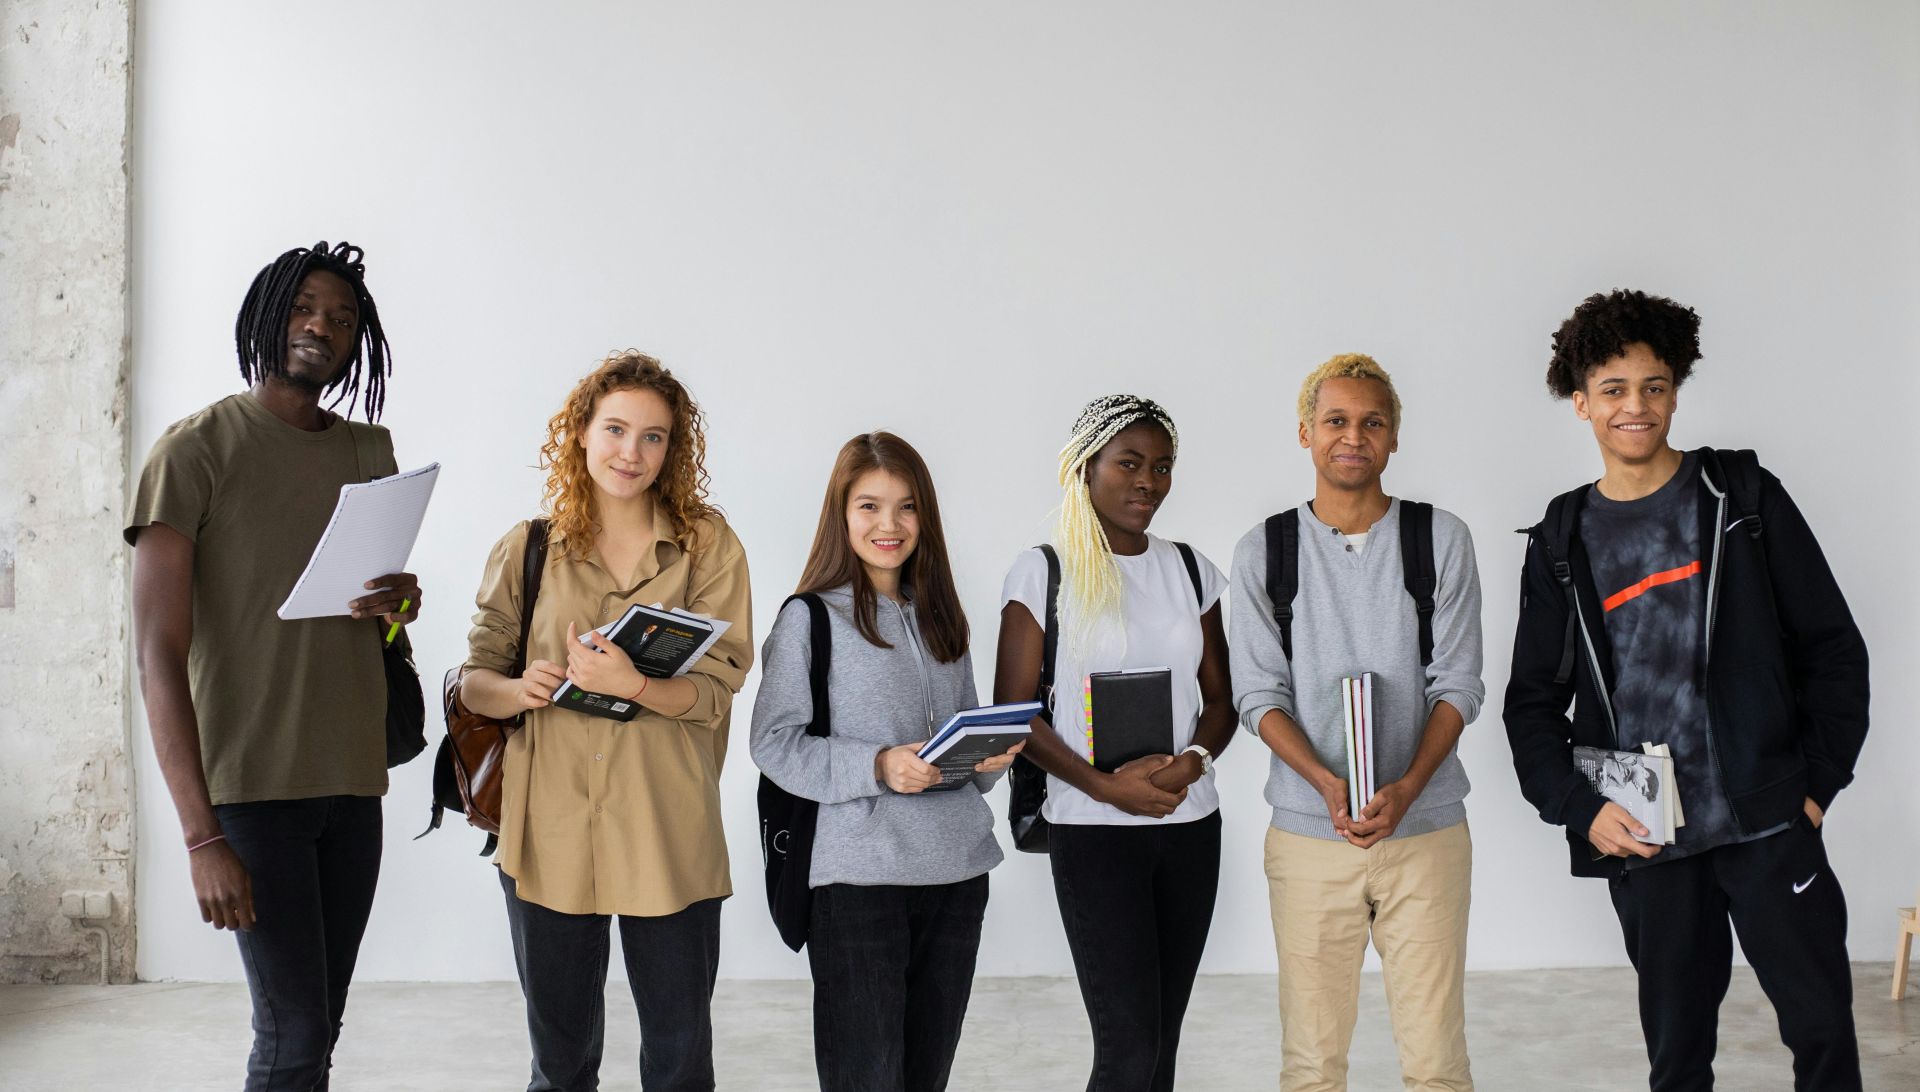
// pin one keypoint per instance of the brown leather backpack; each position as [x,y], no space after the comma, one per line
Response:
[468,767]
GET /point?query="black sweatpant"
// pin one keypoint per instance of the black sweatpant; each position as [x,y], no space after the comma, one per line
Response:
[313,865]
[671,964]
[892,972]
[1137,902]
[1783,898]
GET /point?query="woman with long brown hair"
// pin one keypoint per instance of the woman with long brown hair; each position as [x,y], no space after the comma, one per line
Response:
[599,817]
[898,874]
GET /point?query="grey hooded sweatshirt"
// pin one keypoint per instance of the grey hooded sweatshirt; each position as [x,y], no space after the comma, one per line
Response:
[877,698]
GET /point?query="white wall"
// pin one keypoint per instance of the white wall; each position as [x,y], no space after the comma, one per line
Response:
[961,223]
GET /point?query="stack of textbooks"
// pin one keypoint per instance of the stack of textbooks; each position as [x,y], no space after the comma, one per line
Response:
[1357,698]
[661,642]
[1640,781]
[972,736]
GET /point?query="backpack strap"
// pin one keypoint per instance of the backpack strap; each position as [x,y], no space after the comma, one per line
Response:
[1050,646]
[1556,536]
[821,629]
[1193,572]
[1283,572]
[1416,567]
[1738,472]
[533,566]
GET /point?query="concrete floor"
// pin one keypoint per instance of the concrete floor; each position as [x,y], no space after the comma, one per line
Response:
[1528,1031]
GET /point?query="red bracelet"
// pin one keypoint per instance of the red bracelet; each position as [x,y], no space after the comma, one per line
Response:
[644,683]
[208,842]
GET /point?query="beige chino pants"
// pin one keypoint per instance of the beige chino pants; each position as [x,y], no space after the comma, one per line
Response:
[1411,894]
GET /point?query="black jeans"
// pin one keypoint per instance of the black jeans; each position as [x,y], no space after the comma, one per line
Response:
[671,962]
[313,865]
[1137,902]
[1786,903]
[892,971]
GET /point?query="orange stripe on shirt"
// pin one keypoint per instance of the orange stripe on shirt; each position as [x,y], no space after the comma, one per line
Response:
[1634,591]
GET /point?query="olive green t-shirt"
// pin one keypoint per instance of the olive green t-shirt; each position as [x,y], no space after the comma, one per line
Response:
[287,710]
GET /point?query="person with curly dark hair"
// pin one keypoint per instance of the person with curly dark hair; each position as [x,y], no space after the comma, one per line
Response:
[1682,600]
[602,819]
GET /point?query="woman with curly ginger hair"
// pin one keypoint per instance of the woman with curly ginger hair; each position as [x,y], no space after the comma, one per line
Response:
[601,817]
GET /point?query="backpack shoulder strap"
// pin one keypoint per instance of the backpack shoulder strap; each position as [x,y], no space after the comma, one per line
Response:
[821,635]
[1556,533]
[1283,572]
[1739,474]
[1050,647]
[1193,572]
[1416,568]
[532,566]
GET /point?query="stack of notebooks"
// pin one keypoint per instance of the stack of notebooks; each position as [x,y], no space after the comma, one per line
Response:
[1640,781]
[1356,695]
[972,736]
[661,642]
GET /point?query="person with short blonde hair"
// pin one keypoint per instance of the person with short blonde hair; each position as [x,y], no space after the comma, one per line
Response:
[1387,587]
[1348,366]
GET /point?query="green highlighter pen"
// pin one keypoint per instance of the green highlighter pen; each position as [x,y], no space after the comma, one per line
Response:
[394,629]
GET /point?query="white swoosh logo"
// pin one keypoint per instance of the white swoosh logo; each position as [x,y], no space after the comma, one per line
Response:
[1738,522]
[1799,887]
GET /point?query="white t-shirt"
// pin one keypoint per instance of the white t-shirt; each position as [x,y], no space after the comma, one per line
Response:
[1163,630]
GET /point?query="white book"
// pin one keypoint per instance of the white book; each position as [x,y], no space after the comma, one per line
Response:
[370,534]
[1641,783]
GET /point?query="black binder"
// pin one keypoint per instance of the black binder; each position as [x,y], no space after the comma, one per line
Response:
[1131,715]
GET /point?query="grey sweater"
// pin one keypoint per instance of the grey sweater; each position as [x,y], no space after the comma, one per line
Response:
[1352,614]
[877,698]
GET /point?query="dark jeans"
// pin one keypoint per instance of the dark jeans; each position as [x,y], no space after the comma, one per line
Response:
[1783,898]
[313,865]
[671,962]
[892,971]
[1137,902]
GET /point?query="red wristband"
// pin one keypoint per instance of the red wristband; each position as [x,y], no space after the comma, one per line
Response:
[644,683]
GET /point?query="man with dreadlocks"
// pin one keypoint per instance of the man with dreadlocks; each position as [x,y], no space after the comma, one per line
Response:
[1136,850]
[271,734]
[1358,582]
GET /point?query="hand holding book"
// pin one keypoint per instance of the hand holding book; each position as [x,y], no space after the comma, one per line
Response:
[602,668]
[903,770]
[1381,816]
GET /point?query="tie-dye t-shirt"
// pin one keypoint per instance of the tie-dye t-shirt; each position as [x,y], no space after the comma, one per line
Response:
[1650,573]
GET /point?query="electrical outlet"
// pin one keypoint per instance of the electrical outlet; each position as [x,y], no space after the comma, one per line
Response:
[87,905]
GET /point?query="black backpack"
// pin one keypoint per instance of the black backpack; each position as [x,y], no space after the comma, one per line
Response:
[1416,569]
[787,821]
[1739,474]
[1026,781]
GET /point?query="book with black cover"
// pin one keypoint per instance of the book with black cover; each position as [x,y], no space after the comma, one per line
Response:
[661,642]
[580,700]
[972,736]
[1129,715]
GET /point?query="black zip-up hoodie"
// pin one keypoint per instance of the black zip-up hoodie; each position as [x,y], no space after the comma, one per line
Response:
[1786,668]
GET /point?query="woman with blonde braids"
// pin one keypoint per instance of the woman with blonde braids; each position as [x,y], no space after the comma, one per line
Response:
[603,818]
[1135,852]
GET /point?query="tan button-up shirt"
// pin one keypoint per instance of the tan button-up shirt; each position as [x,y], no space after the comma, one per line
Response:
[597,816]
